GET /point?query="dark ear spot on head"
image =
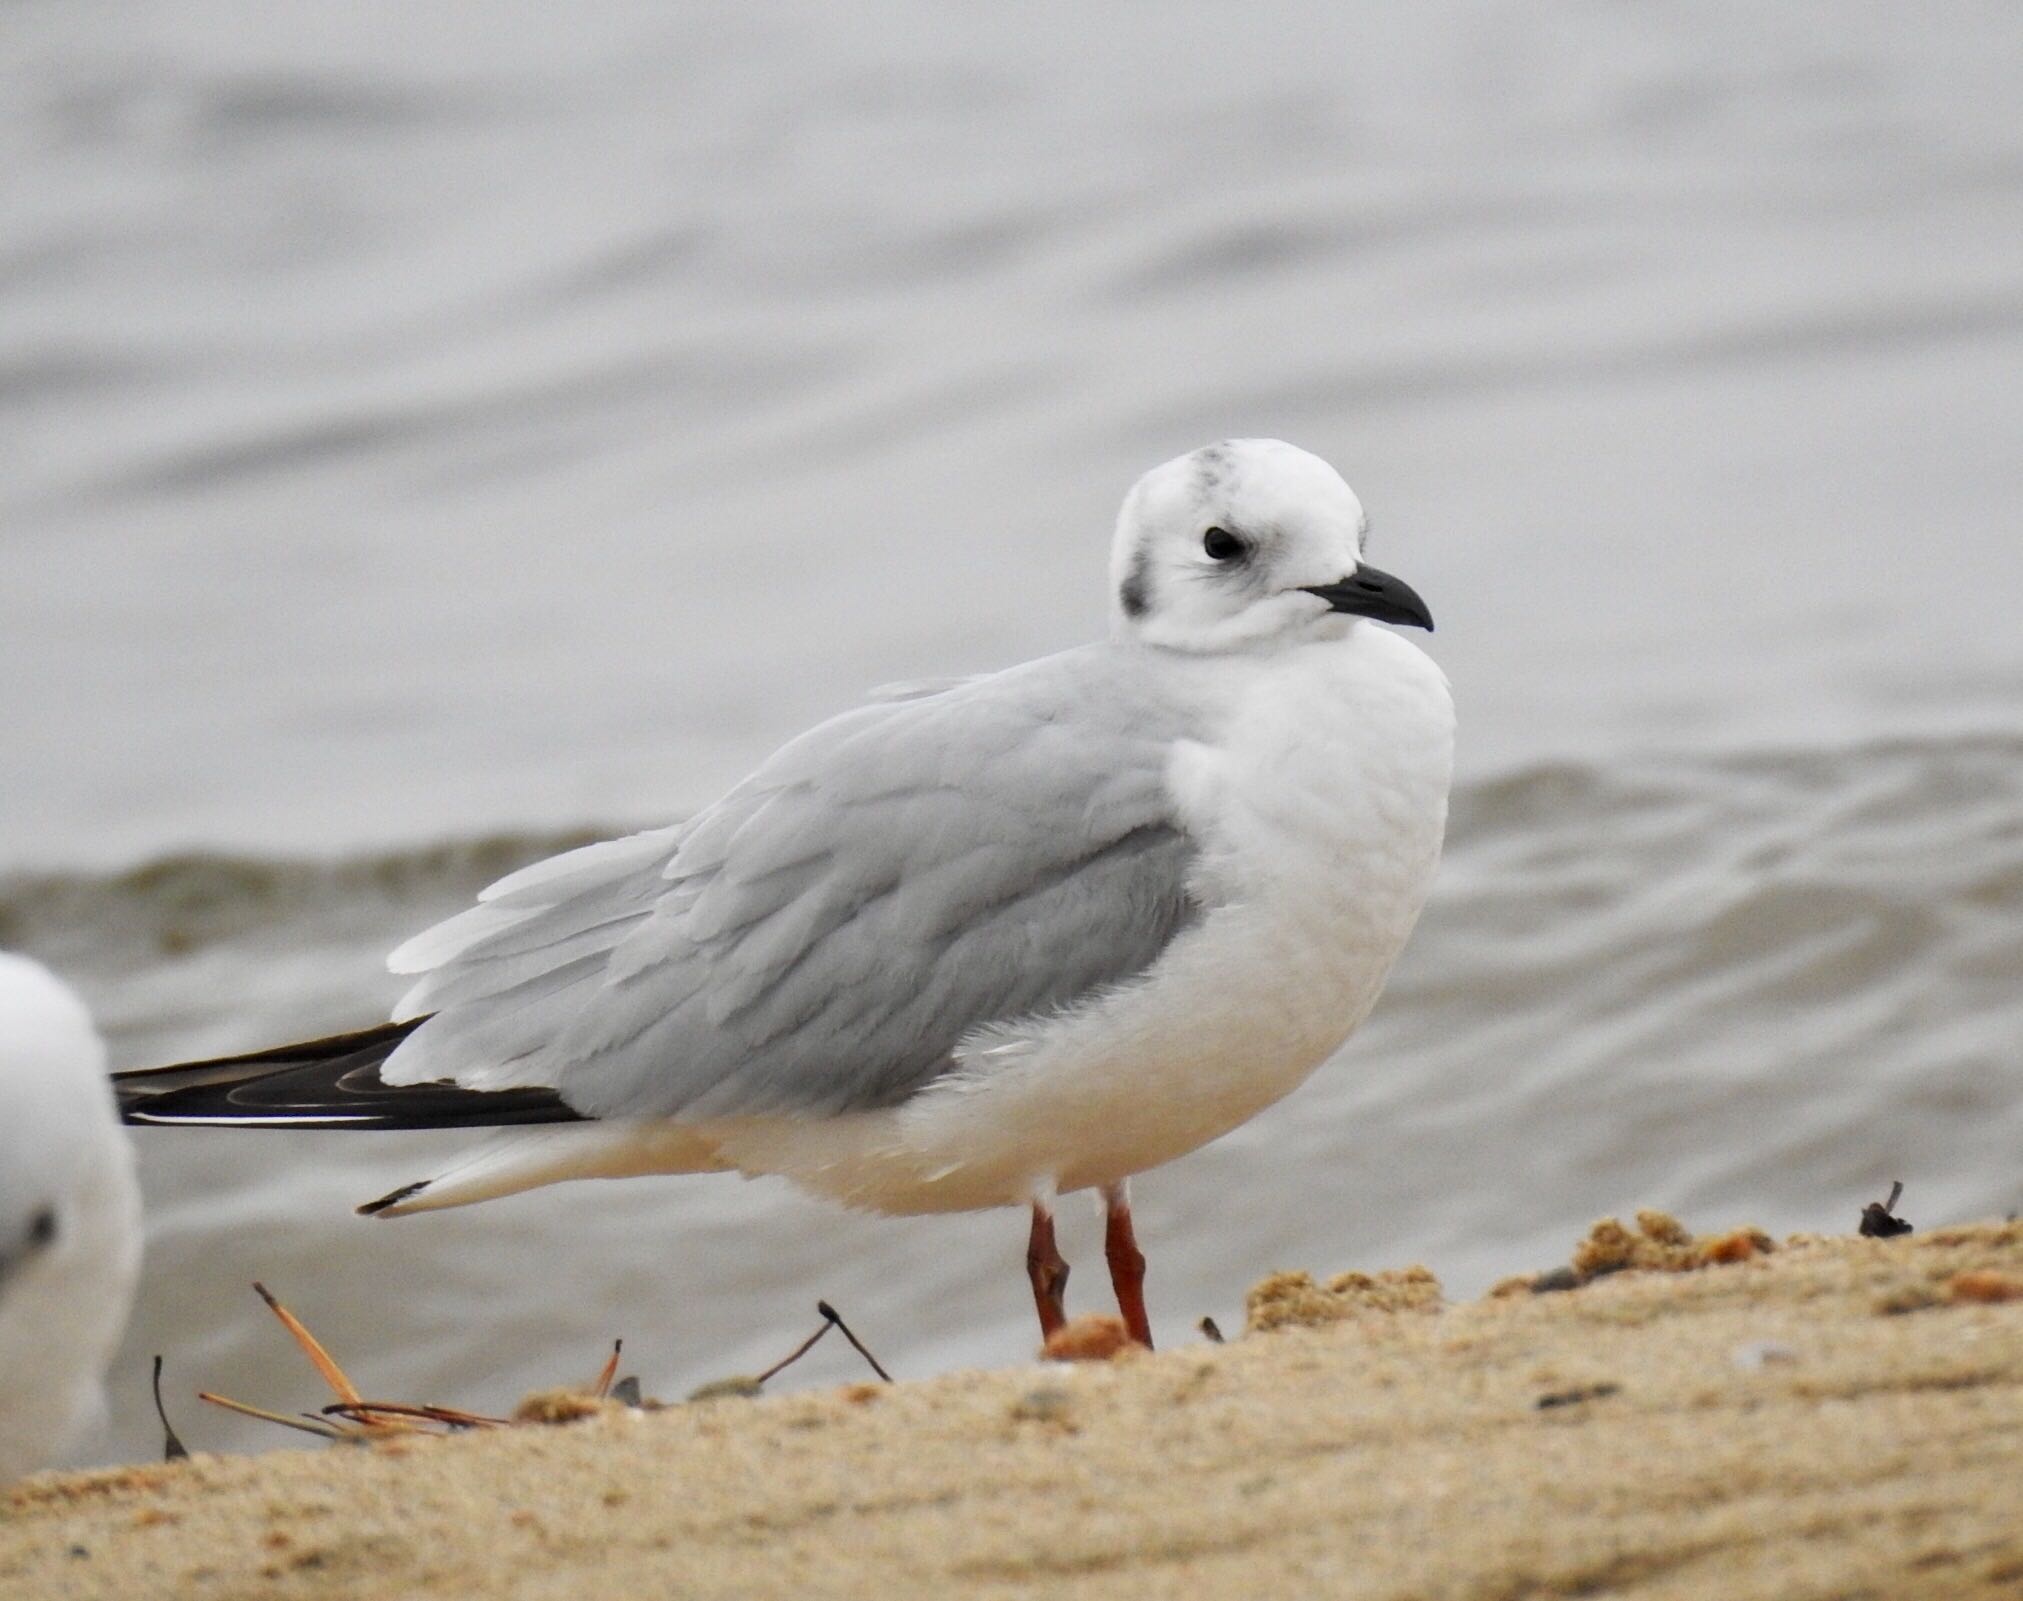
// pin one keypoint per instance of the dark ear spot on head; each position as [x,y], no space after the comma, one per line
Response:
[1135,596]
[1211,468]
[42,1228]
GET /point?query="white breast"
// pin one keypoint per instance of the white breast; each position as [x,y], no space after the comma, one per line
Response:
[1320,797]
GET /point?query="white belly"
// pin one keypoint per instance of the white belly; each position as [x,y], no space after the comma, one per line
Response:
[1321,804]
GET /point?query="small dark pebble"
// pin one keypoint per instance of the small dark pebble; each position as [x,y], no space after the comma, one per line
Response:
[1560,1278]
[1879,1220]
[1044,1406]
[1876,1224]
[1588,1392]
[80,1553]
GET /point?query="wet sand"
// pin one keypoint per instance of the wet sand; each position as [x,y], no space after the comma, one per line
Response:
[1821,1418]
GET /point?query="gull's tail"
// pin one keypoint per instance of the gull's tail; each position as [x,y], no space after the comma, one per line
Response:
[524,1159]
[326,1083]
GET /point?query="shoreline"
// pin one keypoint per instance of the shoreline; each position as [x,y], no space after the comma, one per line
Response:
[1777,1419]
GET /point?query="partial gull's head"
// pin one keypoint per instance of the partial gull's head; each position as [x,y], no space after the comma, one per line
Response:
[69,1218]
[1245,544]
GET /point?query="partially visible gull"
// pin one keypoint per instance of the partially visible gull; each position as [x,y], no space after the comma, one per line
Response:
[975,944]
[70,1233]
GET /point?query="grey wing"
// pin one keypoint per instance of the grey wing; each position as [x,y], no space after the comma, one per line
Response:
[821,939]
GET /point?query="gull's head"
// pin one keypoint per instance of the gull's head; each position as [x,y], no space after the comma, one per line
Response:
[66,1168]
[1247,543]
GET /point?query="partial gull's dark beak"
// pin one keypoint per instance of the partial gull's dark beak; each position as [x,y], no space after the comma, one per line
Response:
[1370,593]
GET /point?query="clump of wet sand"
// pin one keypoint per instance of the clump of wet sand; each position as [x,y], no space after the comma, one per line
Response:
[1285,1299]
[1811,1417]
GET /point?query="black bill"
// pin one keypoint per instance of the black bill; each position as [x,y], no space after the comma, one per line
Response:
[1377,595]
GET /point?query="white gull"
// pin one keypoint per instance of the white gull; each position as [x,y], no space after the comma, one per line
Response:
[70,1236]
[975,944]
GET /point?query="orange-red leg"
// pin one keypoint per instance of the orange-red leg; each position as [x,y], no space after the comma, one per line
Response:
[1048,1272]
[1127,1262]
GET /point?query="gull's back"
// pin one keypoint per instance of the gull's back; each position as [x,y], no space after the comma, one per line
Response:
[820,939]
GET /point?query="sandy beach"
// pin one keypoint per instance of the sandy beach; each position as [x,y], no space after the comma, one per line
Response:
[1818,1417]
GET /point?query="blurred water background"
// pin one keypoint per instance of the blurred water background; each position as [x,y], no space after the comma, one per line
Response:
[433,435]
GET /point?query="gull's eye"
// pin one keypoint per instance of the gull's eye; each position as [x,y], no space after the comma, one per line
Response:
[1221,545]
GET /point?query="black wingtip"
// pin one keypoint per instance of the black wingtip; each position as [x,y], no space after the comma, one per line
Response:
[393,1198]
[330,1083]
